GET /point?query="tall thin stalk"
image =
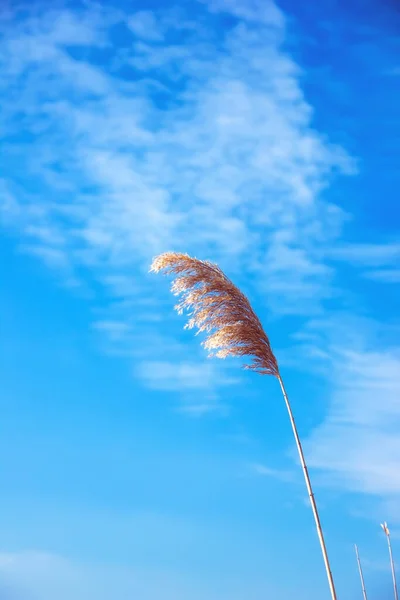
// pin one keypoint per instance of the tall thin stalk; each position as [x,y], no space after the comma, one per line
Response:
[220,309]
[387,533]
[310,492]
[364,591]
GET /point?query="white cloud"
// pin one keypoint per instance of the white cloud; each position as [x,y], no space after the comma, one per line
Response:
[144,25]
[207,154]
[186,376]
[198,383]
[38,575]
[266,12]
[368,255]
[266,471]
[205,146]
[201,408]
[43,576]
[115,329]
[384,275]
[358,444]
[355,446]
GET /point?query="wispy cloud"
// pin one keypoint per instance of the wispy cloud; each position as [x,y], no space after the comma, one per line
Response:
[198,383]
[129,133]
[45,575]
[189,135]
[185,376]
[371,255]
[376,261]
[357,444]
[155,152]
[385,275]
[266,471]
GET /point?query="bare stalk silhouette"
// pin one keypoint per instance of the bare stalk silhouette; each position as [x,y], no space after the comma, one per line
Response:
[219,308]
[387,533]
[364,591]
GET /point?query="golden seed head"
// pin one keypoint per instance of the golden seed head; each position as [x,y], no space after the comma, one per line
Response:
[220,309]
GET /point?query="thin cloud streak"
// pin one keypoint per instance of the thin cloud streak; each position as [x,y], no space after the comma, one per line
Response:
[205,146]
[213,154]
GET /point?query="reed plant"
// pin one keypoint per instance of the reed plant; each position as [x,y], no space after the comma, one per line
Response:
[387,534]
[220,310]
[360,571]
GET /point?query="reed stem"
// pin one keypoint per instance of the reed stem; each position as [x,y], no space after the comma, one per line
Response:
[361,573]
[310,492]
[387,533]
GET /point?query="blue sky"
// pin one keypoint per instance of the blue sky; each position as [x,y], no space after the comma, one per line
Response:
[262,136]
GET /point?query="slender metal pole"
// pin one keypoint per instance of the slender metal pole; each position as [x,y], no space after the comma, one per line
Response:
[387,533]
[361,573]
[310,492]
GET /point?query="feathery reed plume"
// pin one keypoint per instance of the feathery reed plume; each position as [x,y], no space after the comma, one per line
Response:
[387,533]
[219,309]
[364,591]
